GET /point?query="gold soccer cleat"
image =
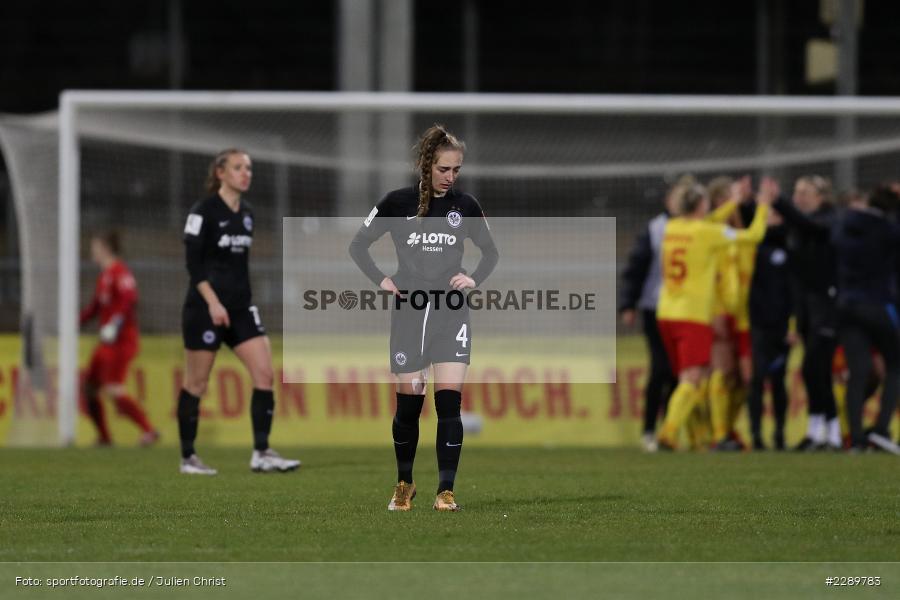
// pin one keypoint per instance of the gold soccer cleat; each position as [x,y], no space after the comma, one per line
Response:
[445,502]
[403,495]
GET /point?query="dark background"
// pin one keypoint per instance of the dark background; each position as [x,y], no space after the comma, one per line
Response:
[616,46]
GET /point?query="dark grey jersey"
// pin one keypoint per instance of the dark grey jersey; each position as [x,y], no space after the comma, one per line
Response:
[430,249]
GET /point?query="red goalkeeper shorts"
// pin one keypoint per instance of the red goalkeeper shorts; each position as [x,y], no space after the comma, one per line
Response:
[687,344]
[109,363]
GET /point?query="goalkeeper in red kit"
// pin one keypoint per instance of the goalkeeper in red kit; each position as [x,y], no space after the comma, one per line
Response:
[114,302]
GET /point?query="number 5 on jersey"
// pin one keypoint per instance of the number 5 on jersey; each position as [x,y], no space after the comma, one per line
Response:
[675,266]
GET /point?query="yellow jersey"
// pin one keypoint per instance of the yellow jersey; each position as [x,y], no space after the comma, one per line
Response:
[745,263]
[734,274]
[690,257]
[727,291]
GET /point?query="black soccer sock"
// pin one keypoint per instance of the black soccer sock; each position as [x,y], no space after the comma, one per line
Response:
[262,408]
[448,405]
[188,418]
[406,433]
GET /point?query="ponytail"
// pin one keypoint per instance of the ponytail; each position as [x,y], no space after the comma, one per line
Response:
[435,140]
[212,183]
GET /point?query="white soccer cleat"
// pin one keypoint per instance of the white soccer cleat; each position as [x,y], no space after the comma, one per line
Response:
[648,442]
[268,461]
[195,466]
[884,443]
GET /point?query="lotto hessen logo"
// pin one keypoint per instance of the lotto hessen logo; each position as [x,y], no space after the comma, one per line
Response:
[431,238]
[237,243]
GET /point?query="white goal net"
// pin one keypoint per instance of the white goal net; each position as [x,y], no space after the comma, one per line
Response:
[136,161]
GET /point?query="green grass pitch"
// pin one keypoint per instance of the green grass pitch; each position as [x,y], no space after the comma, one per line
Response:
[556,505]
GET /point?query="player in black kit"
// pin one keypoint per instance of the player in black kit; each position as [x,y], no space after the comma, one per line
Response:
[430,324]
[217,238]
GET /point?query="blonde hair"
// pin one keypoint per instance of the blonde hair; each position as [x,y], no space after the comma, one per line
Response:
[676,190]
[719,190]
[688,201]
[822,185]
[212,177]
[435,140]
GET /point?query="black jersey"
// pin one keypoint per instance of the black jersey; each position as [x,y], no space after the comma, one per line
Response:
[430,249]
[217,242]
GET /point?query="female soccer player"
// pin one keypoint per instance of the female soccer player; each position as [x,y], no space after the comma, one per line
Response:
[810,217]
[639,289]
[114,303]
[217,238]
[429,252]
[866,240]
[730,358]
[685,311]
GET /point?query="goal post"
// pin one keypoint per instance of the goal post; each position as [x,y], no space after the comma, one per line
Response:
[69,251]
[586,152]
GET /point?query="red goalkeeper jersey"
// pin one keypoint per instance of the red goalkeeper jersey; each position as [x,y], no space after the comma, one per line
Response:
[115,299]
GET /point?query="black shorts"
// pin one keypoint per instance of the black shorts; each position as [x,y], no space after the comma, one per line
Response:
[422,337]
[199,333]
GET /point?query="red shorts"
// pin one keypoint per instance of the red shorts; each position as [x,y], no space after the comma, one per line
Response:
[742,343]
[109,364]
[688,344]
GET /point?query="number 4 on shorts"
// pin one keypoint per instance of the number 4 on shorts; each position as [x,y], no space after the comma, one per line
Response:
[461,336]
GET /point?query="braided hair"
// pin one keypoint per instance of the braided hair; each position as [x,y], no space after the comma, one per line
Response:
[435,140]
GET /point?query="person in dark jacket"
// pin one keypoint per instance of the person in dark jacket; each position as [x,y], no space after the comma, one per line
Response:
[809,218]
[770,313]
[867,241]
[639,291]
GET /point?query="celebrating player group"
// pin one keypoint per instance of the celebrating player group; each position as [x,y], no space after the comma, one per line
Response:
[726,280]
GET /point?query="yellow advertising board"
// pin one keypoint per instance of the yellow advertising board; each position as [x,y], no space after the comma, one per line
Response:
[514,407]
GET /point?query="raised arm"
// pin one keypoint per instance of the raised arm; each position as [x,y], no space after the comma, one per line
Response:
[800,221]
[757,229]
[724,212]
